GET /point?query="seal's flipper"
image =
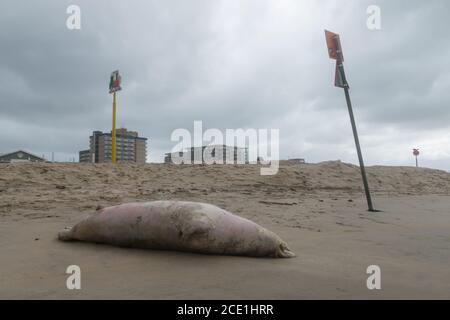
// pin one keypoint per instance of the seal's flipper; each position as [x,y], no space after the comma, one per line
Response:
[284,251]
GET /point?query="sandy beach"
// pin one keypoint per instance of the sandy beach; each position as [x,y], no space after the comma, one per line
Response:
[319,209]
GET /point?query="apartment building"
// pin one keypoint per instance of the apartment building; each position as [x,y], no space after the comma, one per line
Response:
[129,147]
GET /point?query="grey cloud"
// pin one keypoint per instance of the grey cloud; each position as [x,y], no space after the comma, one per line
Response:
[252,63]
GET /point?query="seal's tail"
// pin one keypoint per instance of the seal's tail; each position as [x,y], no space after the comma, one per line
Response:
[65,235]
[284,251]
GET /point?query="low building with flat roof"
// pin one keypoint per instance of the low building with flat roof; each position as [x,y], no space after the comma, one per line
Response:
[85,156]
[213,154]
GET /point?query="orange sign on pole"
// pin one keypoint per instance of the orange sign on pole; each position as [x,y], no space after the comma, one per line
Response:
[335,53]
[334,46]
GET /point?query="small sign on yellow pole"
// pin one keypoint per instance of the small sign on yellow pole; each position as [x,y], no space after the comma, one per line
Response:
[114,86]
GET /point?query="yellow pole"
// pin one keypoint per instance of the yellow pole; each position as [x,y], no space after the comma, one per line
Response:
[113,132]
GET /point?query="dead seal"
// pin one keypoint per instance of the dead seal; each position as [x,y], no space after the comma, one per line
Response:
[178,225]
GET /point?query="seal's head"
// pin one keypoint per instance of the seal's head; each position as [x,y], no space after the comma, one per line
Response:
[65,235]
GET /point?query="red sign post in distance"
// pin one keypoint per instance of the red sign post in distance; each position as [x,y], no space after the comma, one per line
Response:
[416,154]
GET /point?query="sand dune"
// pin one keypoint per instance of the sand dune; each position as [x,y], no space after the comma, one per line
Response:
[28,189]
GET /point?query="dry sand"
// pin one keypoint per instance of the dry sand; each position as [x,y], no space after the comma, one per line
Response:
[319,209]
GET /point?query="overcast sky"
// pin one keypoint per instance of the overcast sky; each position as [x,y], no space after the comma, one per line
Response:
[231,64]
